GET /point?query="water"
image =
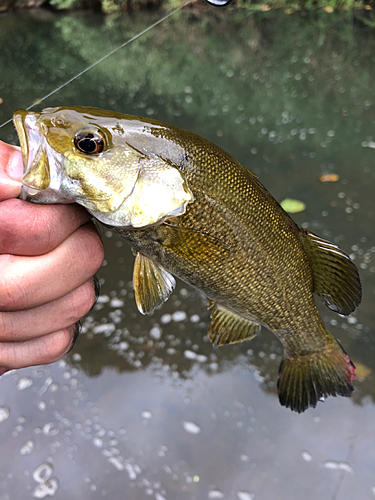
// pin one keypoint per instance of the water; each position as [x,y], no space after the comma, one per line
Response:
[145,407]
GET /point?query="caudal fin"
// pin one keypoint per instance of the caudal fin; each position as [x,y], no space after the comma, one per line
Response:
[304,380]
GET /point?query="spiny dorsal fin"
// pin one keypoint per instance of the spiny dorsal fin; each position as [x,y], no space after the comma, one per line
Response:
[228,328]
[152,284]
[336,278]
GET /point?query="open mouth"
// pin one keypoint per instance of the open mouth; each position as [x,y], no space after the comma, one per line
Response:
[18,120]
[36,181]
[35,161]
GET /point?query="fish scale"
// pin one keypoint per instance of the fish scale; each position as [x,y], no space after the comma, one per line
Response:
[272,247]
[191,210]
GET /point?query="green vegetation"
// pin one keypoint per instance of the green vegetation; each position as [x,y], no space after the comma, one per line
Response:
[115,6]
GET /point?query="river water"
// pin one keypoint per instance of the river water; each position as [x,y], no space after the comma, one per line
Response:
[144,407]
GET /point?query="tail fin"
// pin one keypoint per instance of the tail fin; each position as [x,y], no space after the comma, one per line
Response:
[304,380]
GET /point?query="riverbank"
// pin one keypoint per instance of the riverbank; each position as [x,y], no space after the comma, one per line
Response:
[114,6]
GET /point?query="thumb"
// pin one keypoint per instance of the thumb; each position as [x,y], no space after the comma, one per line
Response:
[11,171]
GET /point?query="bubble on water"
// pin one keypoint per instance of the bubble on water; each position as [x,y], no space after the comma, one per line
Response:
[117,462]
[352,320]
[166,318]
[45,386]
[27,448]
[47,489]
[106,329]
[191,427]
[146,414]
[194,318]
[244,495]
[98,442]
[193,355]
[42,473]
[306,456]
[4,413]
[115,302]
[213,494]
[190,354]
[50,429]
[331,464]
[155,332]
[179,316]
[76,357]
[46,486]
[346,467]
[24,383]
[334,465]
[103,299]
[131,471]
[42,405]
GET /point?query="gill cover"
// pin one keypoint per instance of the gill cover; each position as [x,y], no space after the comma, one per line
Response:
[87,156]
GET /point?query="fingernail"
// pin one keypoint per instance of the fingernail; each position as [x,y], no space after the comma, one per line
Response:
[15,167]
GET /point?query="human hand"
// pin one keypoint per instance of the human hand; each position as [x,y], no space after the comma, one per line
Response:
[48,256]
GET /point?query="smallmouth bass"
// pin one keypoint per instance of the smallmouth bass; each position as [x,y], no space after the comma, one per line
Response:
[191,210]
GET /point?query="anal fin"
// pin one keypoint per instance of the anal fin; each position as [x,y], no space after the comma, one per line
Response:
[228,328]
[152,284]
[336,278]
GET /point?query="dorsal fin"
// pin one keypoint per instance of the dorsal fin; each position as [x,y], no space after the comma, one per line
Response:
[152,284]
[228,328]
[336,278]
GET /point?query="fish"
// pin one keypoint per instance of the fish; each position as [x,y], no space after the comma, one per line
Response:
[190,210]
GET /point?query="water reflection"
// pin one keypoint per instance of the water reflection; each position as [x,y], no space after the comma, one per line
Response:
[145,406]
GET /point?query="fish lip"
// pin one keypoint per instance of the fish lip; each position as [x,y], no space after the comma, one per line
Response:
[19,124]
[33,144]
[30,136]
[27,193]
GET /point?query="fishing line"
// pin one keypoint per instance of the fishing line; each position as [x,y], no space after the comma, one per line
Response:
[78,75]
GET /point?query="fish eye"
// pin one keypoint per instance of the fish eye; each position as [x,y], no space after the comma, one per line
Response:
[89,141]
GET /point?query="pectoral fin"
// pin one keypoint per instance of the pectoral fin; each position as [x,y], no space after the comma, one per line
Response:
[195,246]
[152,284]
[336,278]
[228,328]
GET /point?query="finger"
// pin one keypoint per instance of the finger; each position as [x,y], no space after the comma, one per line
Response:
[61,313]
[11,171]
[37,351]
[30,229]
[27,282]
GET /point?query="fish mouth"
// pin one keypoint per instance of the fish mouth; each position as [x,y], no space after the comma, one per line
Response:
[36,176]
[37,160]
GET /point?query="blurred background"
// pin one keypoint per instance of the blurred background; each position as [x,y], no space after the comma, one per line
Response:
[144,406]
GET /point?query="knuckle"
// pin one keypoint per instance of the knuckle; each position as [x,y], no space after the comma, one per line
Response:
[12,290]
[7,236]
[58,343]
[6,327]
[94,249]
[82,300]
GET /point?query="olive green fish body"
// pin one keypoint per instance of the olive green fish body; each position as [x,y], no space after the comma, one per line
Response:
[190,210]
[237,245]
